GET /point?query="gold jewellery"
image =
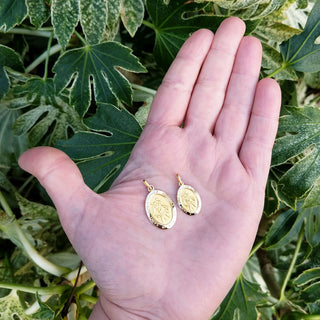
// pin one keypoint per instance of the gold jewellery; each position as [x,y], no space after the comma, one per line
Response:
[188,198]
[161,210]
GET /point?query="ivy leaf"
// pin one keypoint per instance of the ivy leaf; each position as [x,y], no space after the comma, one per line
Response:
[38,11]
[174,22]
[132,13]
[93,18]
[301,142]
[50,119]
[65,16]
[8,58]
[12,12]
[11,309]
[301,52]
[241,301]
[100,63]
[101,156]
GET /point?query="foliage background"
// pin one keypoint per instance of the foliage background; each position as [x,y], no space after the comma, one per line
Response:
[80,75]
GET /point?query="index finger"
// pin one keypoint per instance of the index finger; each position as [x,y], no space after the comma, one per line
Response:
[171,101]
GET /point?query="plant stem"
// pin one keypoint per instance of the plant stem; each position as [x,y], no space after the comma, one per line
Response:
[28,32]
[88,298]
[86,287]
[6,207]
[28,180]
[48,57]
[293,262]
[144,89]
[149,24]
[83,40]
[256,247]
[283,66]
[16,235]
[73,274]
[28,289]
[56,48]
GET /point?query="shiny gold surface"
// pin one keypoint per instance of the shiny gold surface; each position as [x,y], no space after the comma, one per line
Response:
[188,200]
[160,209]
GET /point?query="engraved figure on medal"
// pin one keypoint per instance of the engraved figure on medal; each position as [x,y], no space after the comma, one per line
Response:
[160,209]
[188,198]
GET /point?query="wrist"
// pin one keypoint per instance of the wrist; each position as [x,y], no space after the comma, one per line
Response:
[111,311]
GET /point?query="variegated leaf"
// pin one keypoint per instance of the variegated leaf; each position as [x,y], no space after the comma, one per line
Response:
[93,18]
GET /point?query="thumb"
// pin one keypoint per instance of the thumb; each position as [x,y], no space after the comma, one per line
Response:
[61,178]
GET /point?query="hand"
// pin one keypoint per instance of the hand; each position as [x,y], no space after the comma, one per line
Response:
[223,151]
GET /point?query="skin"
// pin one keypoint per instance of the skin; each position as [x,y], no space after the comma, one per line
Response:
[223,151]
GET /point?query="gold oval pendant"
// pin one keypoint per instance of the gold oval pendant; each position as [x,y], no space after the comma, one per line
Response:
[160,209]
[189,200]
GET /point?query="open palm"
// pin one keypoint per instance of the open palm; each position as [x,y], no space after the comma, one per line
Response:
[214,124]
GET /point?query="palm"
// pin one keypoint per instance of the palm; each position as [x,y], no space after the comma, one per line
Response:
[184,272]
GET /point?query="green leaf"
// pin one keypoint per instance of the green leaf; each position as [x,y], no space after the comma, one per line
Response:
[11,309]
[271,203]
[302,4]
[65,16]
[302,138]
[101,157]
[93,18]
[173,24]
[272,61]
[311,293]
[301,52]
[241,301]
[132,13]
[8,58]
[99,63]
[38,11]
[312,231]
[12,12]
[50,119]
[12,146]
[284,229]
[45,312]
[307,276]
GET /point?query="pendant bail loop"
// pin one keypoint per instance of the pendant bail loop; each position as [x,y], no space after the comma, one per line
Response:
[180,180]
[149,186]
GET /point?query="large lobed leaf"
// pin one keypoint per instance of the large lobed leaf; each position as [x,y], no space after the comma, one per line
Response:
[101,156]
[301,52]
[302,138]
[50,117]
[174,22]
[241,301]
[11,308]
[99,63]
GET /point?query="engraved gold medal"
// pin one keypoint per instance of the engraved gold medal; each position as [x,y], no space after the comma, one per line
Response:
[188,198]
[160,209]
